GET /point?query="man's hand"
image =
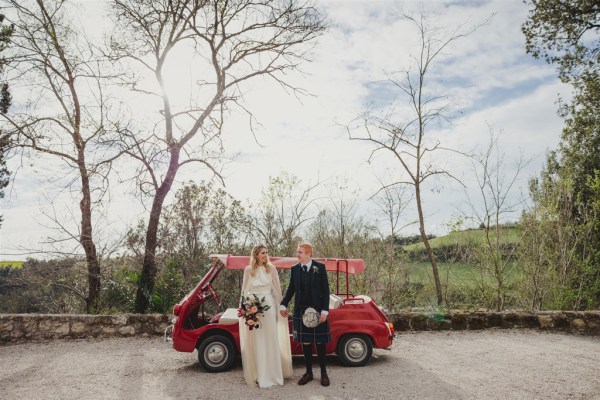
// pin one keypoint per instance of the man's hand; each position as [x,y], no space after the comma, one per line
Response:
[283,313]
[323,318]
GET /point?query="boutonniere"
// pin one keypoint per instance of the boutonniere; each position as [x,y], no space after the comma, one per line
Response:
[315,270]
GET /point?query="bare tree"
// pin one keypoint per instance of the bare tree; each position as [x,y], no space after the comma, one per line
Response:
[64,116]
[495,206]
[344,221]
[282,210]
[235,42]
[392,203]
[202,220]
[405,133]
[5,101]
[340,231]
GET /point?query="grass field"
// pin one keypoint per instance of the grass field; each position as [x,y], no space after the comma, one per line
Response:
[460,274]
[463,285]
[13,264]
[508,235]
[454,273]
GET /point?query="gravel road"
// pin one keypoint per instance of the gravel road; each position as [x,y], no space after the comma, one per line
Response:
[496,364]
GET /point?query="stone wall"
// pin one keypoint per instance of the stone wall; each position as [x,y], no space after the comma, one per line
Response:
[581,322]
[20,327]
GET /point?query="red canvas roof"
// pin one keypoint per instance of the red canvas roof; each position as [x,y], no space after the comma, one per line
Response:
[350,266]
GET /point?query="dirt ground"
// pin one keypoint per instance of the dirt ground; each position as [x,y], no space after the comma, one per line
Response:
[495,364]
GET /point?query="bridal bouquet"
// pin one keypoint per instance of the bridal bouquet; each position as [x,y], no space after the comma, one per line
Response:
[251,309]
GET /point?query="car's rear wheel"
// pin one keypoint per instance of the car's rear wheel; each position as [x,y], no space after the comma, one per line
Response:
[216,353]
[355,350]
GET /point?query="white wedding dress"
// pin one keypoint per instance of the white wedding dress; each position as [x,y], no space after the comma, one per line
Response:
[266,351]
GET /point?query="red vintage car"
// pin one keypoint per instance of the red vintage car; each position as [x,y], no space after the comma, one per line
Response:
[357,324]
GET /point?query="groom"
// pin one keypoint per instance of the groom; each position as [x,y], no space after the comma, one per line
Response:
[309,283]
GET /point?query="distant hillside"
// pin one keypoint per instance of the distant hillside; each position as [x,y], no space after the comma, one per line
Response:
[13,264]
[510,235]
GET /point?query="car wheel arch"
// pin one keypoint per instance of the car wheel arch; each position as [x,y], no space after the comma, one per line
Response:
[214,332]
[346,334]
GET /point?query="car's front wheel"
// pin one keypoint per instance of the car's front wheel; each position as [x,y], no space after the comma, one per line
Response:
[355,350]
[216,353]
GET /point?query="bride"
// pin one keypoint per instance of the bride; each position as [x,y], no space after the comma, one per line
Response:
[266,352]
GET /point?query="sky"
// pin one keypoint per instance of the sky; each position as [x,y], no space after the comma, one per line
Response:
[490,80]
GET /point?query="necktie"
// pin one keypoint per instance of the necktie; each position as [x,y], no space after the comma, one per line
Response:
[305,268]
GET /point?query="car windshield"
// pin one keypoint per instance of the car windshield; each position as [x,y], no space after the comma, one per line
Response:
[208,278]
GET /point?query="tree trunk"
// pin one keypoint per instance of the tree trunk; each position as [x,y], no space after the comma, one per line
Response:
[434,268]
[87,242]
[146,283]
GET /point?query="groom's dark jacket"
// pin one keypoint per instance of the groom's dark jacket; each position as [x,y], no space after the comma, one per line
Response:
[318,287]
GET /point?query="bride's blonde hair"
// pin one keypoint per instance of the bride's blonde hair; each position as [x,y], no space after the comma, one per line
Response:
[254,258]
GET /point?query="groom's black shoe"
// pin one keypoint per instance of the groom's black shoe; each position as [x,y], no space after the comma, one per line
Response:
[324,379]
[305,379]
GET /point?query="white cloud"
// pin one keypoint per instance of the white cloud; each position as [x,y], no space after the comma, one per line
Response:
[488,75]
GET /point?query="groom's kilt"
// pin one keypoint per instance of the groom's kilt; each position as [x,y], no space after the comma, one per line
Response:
[302,334]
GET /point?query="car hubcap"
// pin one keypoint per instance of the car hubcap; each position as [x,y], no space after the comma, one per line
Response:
[215,354]
[356,349]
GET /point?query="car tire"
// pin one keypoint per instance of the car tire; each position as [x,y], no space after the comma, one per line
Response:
[355,350]
[216,353]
